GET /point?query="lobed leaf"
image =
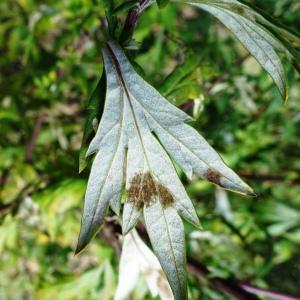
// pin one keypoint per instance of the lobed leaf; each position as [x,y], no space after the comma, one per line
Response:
[261,35]
[141,127]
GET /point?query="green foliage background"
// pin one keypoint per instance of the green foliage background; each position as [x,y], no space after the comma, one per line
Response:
[50,61]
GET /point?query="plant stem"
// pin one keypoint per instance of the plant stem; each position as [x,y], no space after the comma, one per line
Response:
[229,287]
[132,19]
[30,145]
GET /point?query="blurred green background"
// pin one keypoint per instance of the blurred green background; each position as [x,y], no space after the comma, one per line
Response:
[50,62]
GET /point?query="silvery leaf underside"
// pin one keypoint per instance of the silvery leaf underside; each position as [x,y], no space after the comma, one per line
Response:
[259,36]
[138,134]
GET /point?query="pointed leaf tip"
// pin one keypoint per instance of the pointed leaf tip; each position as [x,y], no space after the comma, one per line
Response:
[78,249]
[251,193]
[130,217]
[83,241]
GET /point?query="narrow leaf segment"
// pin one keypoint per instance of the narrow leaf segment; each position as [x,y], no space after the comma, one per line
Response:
[260,37]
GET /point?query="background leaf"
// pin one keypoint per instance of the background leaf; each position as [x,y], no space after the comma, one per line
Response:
[95,109]
[138,259]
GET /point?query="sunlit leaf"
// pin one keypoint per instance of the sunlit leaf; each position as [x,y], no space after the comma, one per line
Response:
[138,119]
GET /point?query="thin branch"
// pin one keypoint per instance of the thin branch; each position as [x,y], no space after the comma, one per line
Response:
[110,232]
[30,145]
[227,286]
[3,178]
[5,207]
[132,19]
[13,206]
[265,292]
[187,105]
[224,76]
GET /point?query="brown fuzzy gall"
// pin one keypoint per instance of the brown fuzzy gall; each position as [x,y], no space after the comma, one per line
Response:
[144,189]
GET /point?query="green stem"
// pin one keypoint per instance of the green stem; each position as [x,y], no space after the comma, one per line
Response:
[132,19]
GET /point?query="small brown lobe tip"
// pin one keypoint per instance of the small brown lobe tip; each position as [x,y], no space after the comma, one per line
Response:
[214,177]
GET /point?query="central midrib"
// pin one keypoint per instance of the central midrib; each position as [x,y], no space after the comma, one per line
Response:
[119,72]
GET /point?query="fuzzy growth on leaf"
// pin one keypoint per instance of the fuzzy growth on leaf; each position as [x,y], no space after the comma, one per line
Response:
[144,189]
